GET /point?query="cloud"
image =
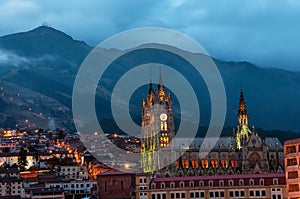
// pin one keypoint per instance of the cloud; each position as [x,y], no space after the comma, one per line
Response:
[261,31]
[9,58]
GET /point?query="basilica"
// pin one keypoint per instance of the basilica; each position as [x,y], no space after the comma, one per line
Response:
[245,152]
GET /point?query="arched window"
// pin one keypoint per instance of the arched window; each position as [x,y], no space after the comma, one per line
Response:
[186,164]
[196,164]
[193,163]
[201,184]
[223,163]
[191,183]
[206,163]
[232,163]
[203,163]
[181,184]
[172,184]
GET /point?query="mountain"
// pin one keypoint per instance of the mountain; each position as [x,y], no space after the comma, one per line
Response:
[38,69]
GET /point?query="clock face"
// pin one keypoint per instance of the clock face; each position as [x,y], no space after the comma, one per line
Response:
[163,117]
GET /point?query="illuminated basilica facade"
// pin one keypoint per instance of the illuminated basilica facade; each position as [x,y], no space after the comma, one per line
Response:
[157,128]
[245,152]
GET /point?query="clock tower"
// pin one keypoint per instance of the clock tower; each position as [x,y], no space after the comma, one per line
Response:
[157,128]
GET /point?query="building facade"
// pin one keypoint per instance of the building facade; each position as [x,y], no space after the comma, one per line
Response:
[10,182]
[262,186]
[157,128]
[245,152]
[292,162]
[115,184]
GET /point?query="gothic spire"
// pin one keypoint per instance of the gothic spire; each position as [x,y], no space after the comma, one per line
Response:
[242,112]
[242,105]
[160,87]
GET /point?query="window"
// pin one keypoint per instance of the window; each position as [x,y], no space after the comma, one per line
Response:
[141,180]
[261,182]
[230,182]
[202,194]
[291,161]
[290,149]
[153,196]
[293,187]
[241,182]
[292,174]
[251,182]
[231,194]
[211,183]
[263,193]
[278,196]
[201,184]
[237,194]
[211,194]
[221,183]
[153,186]
[191,183]
[222,193]
[177,195]
[164,196]
[242,193]
[181,184]
[163,185]
[182,195]
[172,195]
[172,184]
[257,193]
[275,181]
[251,193]
[192,195]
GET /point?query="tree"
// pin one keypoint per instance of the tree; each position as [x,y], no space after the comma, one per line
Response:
[22,159]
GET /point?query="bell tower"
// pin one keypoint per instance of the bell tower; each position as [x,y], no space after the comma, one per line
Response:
[243,132]
[157,127]
[242,112]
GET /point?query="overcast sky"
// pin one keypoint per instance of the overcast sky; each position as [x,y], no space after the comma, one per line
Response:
[264,32]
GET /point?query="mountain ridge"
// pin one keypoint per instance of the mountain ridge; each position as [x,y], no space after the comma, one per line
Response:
[51,59]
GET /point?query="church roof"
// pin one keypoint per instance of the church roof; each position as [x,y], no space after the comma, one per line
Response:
[209,143]
[271,142]
[223,143]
